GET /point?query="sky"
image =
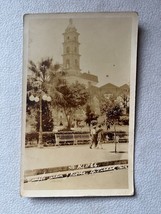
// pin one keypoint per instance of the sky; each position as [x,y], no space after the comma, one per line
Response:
[105,44]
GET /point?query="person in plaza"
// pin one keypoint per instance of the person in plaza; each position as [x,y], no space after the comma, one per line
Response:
[99,137]
[94,137]
[107,138]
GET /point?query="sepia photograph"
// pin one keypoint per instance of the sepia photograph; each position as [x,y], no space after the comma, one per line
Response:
[79,80]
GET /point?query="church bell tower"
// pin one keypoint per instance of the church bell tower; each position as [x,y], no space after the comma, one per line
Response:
[71,56]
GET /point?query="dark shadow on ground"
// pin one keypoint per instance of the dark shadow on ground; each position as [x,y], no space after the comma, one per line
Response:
[117,152]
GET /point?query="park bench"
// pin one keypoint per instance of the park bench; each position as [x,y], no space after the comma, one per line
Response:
[74,138]
[62,137]
[123,140]
[81,138]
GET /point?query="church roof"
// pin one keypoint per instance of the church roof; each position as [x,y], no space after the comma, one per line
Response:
[125,87]
[113,89]
[90,77]
[108,86]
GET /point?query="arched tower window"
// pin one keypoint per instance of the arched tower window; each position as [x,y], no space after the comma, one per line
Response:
[67,63]
[67,49]
[75,50]
[68,37]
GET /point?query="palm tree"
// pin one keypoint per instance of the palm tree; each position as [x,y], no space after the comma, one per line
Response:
[45,78]
[42,84]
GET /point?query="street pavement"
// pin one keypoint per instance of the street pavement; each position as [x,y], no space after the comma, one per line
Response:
[38,158]
[49,157]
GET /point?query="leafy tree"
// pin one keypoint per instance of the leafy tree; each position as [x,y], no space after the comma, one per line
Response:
[90,115]
[75,96]
[125,99]
[113,115]
[113,112]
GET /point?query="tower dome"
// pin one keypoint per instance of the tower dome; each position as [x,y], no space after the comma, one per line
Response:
[70,26]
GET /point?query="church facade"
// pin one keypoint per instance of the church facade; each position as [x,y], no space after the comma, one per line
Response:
[72,70]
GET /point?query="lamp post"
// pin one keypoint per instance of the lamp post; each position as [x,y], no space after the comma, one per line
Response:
[39,99]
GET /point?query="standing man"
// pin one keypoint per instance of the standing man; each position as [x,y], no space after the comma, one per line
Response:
[99,137]
[94,137]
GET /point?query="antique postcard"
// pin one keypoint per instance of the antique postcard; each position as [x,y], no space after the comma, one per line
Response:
[79,77]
